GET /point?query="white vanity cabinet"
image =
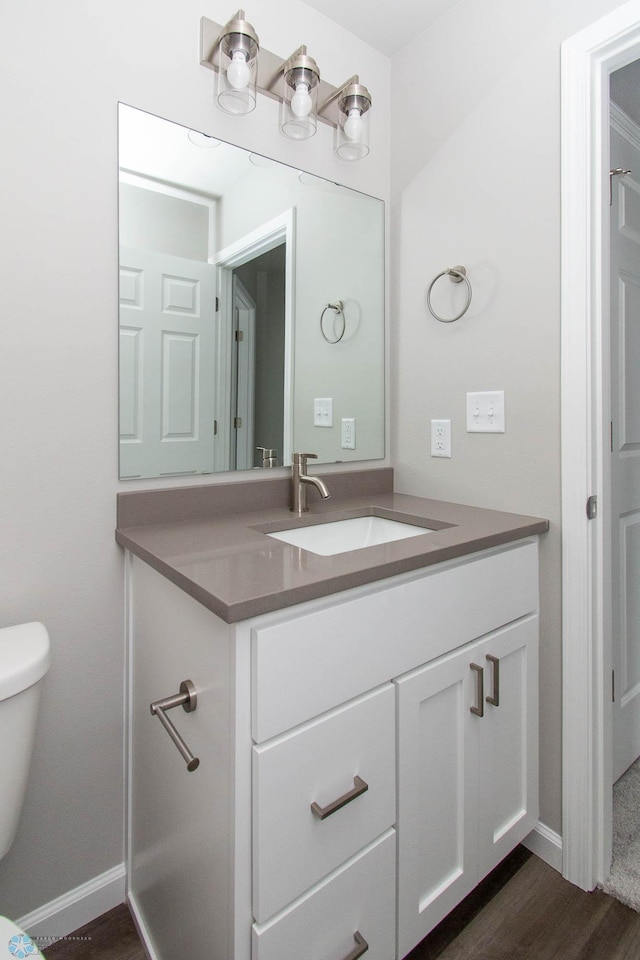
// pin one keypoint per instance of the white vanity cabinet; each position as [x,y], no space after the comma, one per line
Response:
[347,797]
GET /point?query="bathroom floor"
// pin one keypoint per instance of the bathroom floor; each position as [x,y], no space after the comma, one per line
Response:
[524,910]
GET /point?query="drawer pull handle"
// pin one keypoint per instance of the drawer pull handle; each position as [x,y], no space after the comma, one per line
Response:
[189,700]
[478,708]
[494,699]
[359,787]
[361,947]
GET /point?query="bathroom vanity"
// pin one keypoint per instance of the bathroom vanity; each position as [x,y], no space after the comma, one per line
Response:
[366,723]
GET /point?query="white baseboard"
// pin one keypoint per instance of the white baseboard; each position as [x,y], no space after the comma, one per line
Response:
[141,927]
[60,917]
[546,844]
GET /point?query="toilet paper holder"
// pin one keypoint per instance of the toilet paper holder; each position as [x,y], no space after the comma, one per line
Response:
[188,700]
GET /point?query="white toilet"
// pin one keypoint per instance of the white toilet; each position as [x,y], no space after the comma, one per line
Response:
[24,660]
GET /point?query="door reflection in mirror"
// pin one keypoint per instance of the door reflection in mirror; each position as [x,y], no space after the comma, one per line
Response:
[226,263]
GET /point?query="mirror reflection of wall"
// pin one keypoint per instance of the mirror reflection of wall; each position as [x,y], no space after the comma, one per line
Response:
[227,261]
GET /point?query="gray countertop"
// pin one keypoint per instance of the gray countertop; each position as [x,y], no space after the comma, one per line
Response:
[226,562]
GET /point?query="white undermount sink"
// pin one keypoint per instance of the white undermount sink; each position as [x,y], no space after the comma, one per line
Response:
[340,536]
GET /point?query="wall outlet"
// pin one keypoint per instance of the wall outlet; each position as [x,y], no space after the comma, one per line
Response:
[323,412]
[348,433]
[441,438]
[485,412]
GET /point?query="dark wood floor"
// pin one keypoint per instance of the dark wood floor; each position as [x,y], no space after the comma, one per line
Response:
[523,911]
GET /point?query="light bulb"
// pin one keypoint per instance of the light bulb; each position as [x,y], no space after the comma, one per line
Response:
[301,102]
[238,71]
[353,125]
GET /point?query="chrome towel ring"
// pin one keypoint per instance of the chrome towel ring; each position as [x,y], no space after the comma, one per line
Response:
[338,307]
[456,275]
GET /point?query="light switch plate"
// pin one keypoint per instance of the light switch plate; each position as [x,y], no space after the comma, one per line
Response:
[323,412]
[485,412]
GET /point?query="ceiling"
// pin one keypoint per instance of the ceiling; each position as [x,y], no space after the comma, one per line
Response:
[384,25]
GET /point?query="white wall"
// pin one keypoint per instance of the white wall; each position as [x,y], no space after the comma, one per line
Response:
[63,70]
[475,181]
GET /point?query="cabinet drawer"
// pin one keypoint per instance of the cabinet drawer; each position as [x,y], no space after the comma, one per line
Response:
[318,763]
[360,896]
[307,664]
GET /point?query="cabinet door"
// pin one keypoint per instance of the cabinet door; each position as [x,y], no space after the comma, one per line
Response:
[437,807]
[508,751]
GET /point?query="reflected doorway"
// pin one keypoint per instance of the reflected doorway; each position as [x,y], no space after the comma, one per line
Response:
[258,348]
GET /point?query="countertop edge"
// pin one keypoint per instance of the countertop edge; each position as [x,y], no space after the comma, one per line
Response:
[246,609]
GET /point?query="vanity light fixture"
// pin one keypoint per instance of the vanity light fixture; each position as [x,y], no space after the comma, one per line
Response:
[232,52]
[300,80]
[354,101]
[238,49]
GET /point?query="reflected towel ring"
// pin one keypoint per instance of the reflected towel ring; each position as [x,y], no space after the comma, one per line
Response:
[338,306]
[456,275]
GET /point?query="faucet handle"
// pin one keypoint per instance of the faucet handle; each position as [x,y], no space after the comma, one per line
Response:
[301,458]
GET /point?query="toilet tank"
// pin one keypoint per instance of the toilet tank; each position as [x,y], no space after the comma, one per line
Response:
[24,660]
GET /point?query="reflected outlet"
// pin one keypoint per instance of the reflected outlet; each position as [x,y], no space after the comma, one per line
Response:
[348,433]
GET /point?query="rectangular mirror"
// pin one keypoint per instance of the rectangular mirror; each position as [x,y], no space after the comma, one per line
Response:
[251,308]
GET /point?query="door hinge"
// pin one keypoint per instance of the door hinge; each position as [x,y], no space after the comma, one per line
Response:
[592,508]
[613,686]
[618,172]
[215,428]
[239,336]
[611,435]
[217,304]
[237,422]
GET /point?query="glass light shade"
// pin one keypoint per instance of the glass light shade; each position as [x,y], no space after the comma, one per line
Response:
[238,69]
[352,133]
[300,98]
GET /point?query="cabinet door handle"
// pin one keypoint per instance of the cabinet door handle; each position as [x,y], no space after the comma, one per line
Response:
[361,947]
[359,787]
[478,707]
[494,699]
[188,699]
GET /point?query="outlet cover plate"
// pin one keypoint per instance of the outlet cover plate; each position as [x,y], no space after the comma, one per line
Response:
[348,433]
[441,438]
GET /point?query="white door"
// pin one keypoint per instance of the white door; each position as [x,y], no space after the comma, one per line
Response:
[167,373]
[625,450]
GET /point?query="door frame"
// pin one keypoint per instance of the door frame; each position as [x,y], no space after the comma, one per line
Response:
[244,385]
[264,238]
[587,60]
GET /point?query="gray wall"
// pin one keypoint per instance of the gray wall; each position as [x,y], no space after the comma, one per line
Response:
[475,181]
[66,67]
[151,220]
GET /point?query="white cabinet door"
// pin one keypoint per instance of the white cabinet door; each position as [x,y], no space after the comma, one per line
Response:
[467,771]
[437,808]
[508,750]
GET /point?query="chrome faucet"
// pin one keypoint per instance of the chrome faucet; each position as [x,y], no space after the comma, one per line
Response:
[300,479]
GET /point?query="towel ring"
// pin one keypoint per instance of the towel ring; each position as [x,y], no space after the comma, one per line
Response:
[338,306]
[456,275]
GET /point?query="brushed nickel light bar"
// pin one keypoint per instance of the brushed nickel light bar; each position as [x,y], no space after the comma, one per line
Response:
[243,67]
